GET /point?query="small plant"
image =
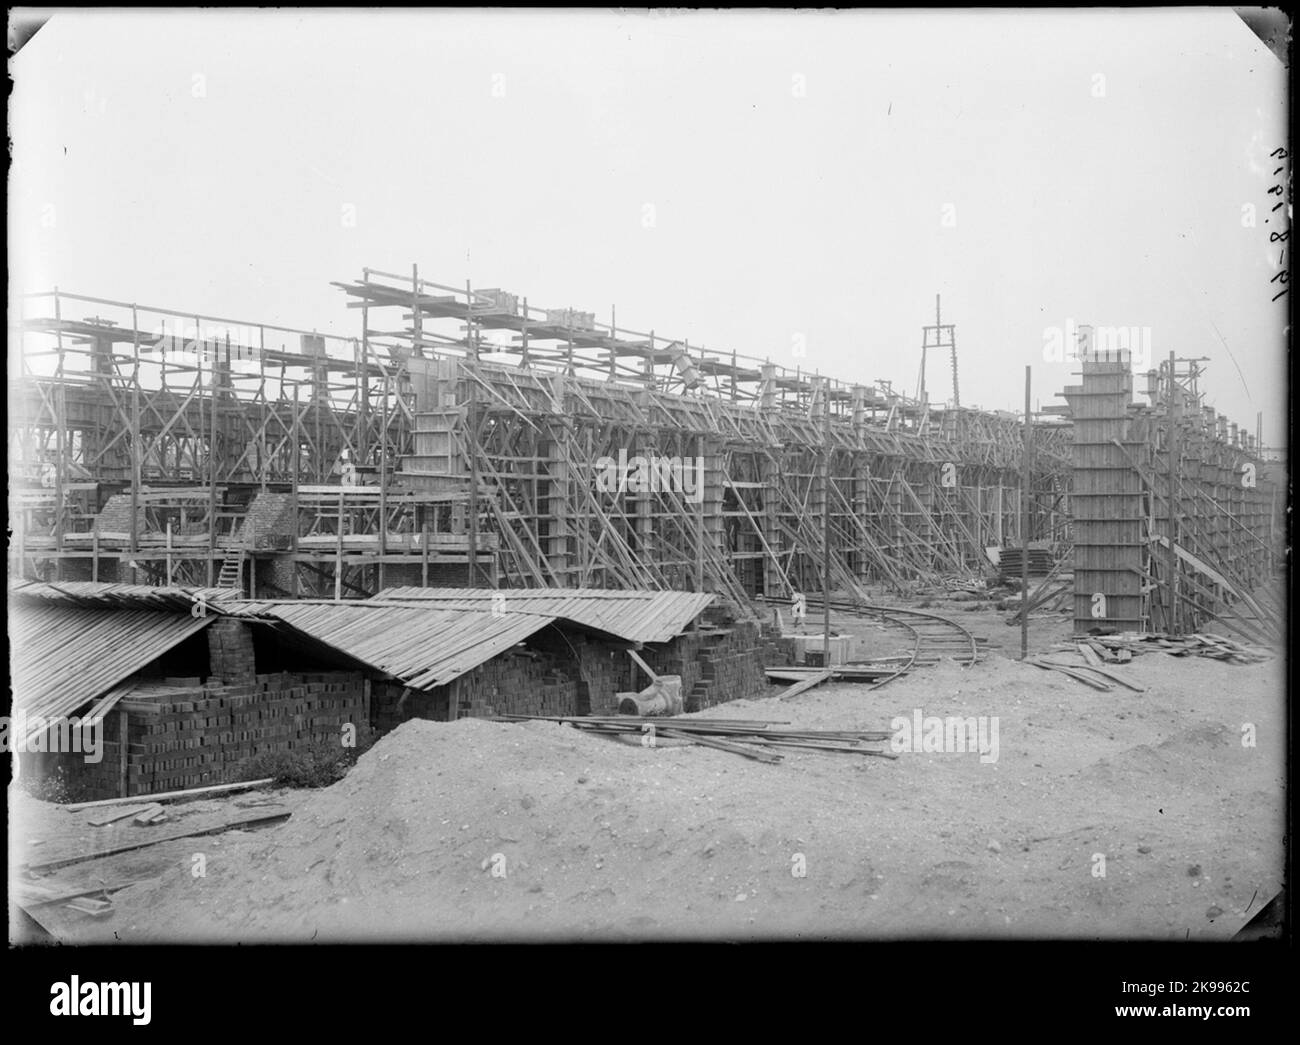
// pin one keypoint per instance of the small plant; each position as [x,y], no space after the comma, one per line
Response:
[58,786]
[318,765]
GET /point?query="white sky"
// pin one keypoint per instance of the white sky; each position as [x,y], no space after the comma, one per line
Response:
[202,161]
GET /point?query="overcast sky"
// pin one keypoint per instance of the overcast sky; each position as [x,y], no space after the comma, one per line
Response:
[740,180]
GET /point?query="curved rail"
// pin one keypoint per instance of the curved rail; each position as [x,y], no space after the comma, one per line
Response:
[931,633]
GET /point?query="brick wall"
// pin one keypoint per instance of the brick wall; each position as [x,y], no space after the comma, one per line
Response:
[270,524]
[519,682]
[115,517]
[716,664]
[182,734]
[230,651]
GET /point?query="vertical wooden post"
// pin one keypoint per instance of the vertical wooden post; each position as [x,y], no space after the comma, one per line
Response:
[60,413]
[471,448]
[263,461]
[613,333]
[200,347]
[297,468]
[424,555]
[826,527]
[417,317]
[123,779]
[137,468]
[524,359]
[1024,525]
[1171,581]
[383,491]
[338,553]
[169,553]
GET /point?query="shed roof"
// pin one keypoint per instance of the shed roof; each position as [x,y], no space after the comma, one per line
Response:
[636,616]
[63,656]
[422,646]
[118,596]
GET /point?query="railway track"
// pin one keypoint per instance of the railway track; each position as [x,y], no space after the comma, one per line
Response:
[934,638]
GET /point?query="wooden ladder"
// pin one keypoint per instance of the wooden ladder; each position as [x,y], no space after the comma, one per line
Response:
[232,569]
[232,566]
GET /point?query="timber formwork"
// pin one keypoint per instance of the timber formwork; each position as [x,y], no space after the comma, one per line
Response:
[466,434]
[533,406]
[1176,511]
[142,440]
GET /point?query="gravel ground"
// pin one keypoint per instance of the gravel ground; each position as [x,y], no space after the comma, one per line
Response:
[479,830]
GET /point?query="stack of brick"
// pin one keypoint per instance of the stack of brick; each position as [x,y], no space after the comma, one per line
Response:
[777,650]
[517,683]
[183,734]
[115,517]
[731,668]
[269,524]
[603,672]
[230,651]
[716,664]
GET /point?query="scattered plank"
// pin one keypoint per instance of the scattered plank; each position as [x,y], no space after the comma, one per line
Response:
[1098,670]
[806,684]
[33,894]
[733,735]
[1089,654]
[91,906]
[81,858]
[1076,673]
[112,815]
[149,815]
[168,796]
[721,745]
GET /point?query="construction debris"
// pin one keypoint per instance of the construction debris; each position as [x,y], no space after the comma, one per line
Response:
[814,679]
[230,825]
[1041,561]
[740,733]
[113,815]
[168,796]
[153,814]
[1122,647]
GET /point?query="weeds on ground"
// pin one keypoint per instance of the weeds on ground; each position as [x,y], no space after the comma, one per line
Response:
[57,786]
[317,765]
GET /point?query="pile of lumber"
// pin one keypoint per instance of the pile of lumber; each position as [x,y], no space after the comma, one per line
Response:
[1088,671]
[1041,562]
[93,900]
[1048,597]
[853,671]
[755,739]
[1121,648]
[141,815]
[1053,591]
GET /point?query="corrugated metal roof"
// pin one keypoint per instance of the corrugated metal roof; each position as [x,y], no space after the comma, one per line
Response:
[636,616]
[62,657]
[422,646]
[118,596]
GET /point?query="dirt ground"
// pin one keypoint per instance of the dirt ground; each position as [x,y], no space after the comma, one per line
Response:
[478,830]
